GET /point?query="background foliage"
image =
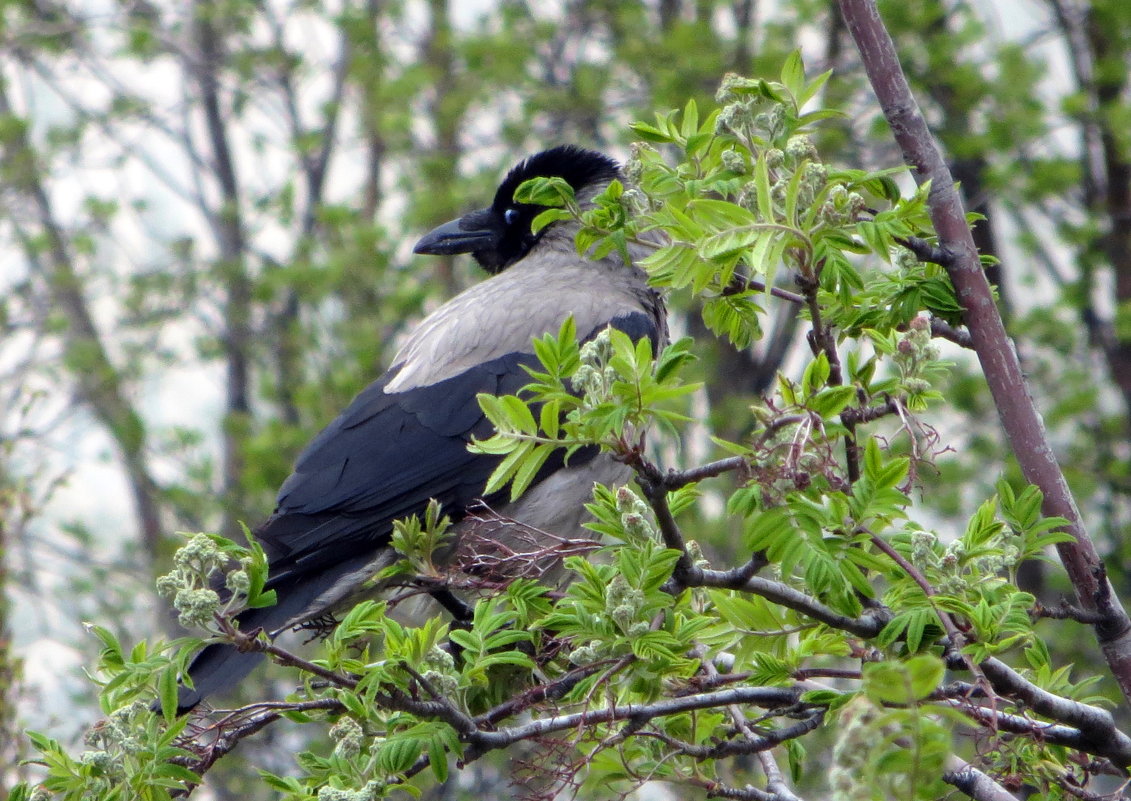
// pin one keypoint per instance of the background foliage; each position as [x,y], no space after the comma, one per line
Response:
[206,211]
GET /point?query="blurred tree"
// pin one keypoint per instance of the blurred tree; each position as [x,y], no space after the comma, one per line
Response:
[206,209]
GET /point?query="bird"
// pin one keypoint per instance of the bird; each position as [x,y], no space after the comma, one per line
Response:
[403,440]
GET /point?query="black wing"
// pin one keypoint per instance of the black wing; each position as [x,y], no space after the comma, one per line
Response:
[386,455]
[382,459]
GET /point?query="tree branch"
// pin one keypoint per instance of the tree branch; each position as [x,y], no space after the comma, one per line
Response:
[1098,733]
[973,782]
[773,697]
[232,247]
[1019,416]
[866,627]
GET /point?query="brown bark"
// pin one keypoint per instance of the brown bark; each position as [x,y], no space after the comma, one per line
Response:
[447,120]
[229,231]
[1019,416]
[1109,87]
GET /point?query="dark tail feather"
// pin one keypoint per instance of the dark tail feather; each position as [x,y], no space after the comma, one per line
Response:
[221,666]
[216,668]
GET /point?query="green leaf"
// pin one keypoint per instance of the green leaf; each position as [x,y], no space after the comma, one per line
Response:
[832,401]
[398,754]
[545,191]
[650,133]
[518,414]
[529,467]
[793,74]
[731,241]
[507,468]
[438,760]
[762,188]
[549,216]
[925,672]
[167,692]
[690,120]
[816,374]
[811,91]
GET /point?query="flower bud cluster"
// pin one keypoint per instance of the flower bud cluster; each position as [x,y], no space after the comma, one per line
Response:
[196,607]
[695,552]
[189,583]
[440,671]
[370,792]
[638,156]
[914,350]
[103,764]
[594,378]
[635,516]
[200,554]
[963,568]
[800,148]
[924,545]
[734,87]
[623,603]
[841,207]
[238,581]
[740,119]
[734,161]
[586,654]
[348,737]
[952,567]
[635,202]
[112,738]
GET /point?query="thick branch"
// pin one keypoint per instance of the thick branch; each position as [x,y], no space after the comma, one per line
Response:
[974,783]
[1098,732]
[550,691]
[675,479]
[232,246]
[761,696]
[1019,416]
[651,481]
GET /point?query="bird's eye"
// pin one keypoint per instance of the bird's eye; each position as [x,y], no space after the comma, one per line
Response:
[510,216]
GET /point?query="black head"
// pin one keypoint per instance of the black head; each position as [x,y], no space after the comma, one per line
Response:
[500,234]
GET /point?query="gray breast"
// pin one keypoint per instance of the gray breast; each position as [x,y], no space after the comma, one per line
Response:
[502,314]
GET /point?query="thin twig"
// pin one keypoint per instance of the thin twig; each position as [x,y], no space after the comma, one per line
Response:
[1065,611]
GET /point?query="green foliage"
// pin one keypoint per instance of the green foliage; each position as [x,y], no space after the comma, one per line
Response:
[419,539]
[607,392]
[752,196]
[133,752]
[892,744]
[839,630]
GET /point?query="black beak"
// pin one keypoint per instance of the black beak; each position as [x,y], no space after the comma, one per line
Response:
[469,234]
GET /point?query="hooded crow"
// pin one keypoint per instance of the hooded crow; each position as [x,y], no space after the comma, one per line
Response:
[404,439]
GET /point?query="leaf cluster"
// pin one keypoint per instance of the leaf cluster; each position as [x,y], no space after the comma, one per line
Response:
[607,392]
